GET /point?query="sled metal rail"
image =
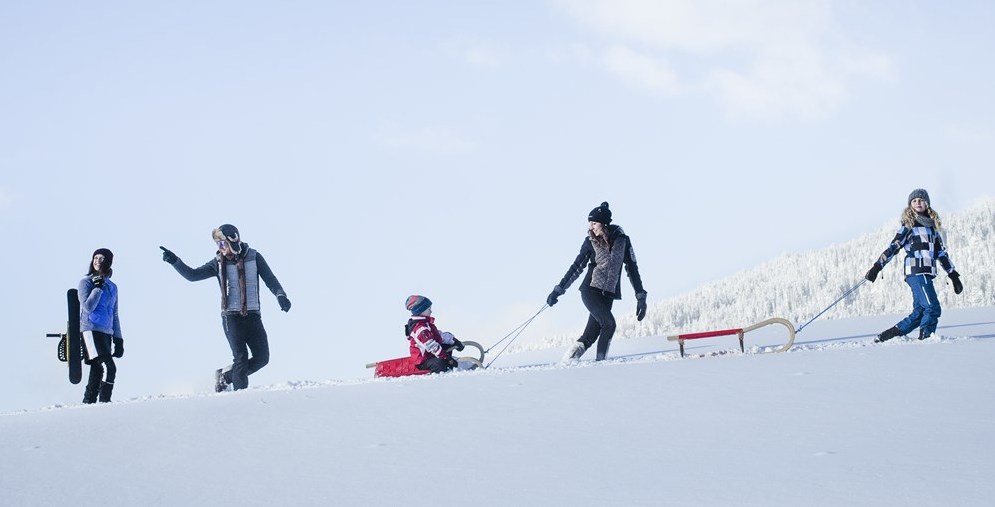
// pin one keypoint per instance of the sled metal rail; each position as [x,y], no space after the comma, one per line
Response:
[739,332]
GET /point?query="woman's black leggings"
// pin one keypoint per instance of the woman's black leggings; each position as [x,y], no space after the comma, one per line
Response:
[601,323]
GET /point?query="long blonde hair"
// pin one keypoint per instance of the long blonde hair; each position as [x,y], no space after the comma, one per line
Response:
[909,217]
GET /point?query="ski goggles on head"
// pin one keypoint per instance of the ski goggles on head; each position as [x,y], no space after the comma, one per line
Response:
[235,248]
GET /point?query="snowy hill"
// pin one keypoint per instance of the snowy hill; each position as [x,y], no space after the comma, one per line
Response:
[836,421]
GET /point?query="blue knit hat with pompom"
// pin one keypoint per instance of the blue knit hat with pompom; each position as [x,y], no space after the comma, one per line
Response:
[417,304]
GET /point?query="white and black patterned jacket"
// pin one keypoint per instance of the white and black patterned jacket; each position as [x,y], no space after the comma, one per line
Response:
[923,250]
[604,265]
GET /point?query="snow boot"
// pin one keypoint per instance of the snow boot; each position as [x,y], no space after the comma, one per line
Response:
[220,382]
[105,392]
[924,335]
[574,352]
[90,393]
[93,385]
[887,335]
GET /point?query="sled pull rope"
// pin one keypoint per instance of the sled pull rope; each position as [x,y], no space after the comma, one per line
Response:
[517,332]
[841,298]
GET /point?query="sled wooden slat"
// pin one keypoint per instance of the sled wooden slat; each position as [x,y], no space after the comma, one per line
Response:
[739,332]
[706,334]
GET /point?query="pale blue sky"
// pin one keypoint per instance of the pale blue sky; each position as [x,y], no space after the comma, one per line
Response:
[371,150]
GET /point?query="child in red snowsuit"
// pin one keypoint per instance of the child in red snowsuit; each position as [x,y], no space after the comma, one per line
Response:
[429,347]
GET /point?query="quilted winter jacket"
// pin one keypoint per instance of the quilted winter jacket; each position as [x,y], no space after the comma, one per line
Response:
[255,267]
[98,307]
[604,266]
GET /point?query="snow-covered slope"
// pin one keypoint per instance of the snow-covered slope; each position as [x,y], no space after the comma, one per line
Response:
[798,286]
[835,421]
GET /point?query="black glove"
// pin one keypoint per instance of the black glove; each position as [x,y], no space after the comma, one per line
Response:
[98,281]
[872,273]
[458,345]
[453,363]
[955,278]
[118,347]
[167,256]
[553,296]
[640,306]
[284,302]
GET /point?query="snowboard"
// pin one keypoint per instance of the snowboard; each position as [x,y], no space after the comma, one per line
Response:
[70,346]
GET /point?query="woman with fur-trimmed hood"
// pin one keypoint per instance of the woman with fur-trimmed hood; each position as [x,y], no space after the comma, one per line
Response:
[605,250]
[919,235]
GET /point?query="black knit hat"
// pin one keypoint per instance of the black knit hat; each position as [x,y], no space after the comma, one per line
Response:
[919,193]
[600,214]
[229,233]
[106,265]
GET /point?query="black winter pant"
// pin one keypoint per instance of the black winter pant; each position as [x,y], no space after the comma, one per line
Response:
[435,365]
[102,367]
[245,334]
[98,356]
[601,323]
[97,370]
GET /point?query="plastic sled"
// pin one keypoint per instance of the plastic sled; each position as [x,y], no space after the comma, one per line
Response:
[403,367]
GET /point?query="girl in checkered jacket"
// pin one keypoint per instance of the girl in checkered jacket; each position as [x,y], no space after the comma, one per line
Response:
[919,235]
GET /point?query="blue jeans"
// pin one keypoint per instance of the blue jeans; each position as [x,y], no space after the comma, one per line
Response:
[925,306]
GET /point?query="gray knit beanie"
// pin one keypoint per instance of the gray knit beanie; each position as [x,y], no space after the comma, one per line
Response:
[919,194]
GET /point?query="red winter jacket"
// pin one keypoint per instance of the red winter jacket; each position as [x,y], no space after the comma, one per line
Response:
[425,339]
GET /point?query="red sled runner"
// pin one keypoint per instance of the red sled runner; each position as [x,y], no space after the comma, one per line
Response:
[403,366]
